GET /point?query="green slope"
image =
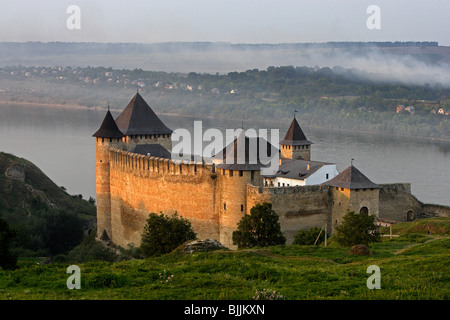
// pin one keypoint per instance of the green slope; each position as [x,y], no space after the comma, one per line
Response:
[410,270]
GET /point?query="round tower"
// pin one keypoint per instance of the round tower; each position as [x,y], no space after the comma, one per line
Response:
[239,165]
[108,136]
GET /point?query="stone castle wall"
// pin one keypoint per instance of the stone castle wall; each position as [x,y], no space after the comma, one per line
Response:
[298,207]
[143,184]
[397,202]
[214,200]
[435,210]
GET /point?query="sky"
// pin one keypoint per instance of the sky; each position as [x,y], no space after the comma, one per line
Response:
[235,21]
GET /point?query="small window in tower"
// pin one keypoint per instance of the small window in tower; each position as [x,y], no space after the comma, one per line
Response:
[242,207]
[241,173]
[326,176]
[224,206]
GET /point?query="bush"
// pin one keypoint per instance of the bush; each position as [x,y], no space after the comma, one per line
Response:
[259,228]
[357,229]
[91,250]
[308,237]
[105,280]
[62,231]
[162,234]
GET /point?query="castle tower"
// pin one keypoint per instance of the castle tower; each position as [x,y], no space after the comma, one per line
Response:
[106,137]
[237,165]
[141,125]
[295,143]
[352,190]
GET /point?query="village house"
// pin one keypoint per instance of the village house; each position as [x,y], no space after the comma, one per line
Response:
[400,108]
[410,109]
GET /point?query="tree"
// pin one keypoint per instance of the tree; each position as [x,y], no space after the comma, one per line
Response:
[162,234]
[7,260]
[62,231]
[308,237]
[357,229]
[259,228]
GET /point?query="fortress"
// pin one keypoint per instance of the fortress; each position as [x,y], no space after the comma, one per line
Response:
[136,175]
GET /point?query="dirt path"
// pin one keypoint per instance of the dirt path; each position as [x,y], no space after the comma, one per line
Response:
[414,245]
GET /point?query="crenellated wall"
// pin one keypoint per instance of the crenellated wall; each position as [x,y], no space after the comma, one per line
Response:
[143,184]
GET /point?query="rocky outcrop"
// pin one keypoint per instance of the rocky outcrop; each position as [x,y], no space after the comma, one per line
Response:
[203,246]
[360,249]
[16,172]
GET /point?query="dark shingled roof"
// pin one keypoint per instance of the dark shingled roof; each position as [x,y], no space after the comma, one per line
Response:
[109,128]
[297,169]
[138,118]
[295,135]
[244,161]
[154,150]
[351,178]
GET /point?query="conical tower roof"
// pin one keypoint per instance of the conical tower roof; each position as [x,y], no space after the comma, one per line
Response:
[244,153]
[138,118]
[109,128]
[351,178]
[295,135]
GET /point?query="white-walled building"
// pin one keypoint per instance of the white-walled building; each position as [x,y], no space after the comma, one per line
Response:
[299,172]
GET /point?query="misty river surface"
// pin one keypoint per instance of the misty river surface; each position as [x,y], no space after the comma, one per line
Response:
[59,141]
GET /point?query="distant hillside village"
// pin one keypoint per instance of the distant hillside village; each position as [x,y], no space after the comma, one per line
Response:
[410,109]
[336,98]
[202,84]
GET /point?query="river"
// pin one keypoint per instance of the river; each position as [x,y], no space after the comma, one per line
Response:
[59,141]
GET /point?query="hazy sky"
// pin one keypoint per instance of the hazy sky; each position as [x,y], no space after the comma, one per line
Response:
[236,21]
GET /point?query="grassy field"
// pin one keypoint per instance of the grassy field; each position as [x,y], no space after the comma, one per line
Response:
[414,266]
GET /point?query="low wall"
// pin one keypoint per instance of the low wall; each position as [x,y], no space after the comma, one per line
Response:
[436,210]
[298,207]
[397,202]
